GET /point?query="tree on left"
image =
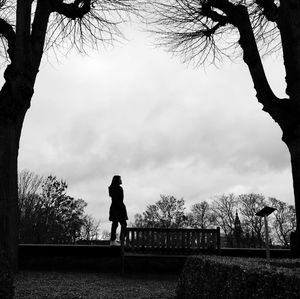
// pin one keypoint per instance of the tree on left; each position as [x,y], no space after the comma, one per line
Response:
[27,29]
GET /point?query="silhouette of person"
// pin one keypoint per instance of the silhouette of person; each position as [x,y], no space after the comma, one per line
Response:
[117,211]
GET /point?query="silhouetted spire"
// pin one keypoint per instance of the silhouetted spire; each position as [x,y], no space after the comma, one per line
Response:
[237,229]
[237,222]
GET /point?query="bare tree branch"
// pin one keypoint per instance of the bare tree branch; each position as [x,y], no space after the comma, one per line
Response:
[23,25]
[251,56]
[7,31]
[38,31]
[99,24]
[191,29]
[201,31]
[73,10]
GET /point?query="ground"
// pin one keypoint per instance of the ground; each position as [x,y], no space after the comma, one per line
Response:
[67,285]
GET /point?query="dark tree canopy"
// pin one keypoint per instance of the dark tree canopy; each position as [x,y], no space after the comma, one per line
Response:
[47,213]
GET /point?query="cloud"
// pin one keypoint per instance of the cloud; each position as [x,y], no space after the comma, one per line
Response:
[166,128]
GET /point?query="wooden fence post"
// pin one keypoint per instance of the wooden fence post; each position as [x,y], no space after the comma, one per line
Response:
[123,234]
[218,241]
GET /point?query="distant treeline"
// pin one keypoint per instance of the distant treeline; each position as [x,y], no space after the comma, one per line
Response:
[234,214]
[49,215]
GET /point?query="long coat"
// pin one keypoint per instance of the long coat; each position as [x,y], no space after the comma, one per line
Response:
[117,211]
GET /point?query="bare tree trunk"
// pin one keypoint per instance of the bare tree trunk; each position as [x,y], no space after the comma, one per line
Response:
[11,121]
[294,148]
[288,24]
[8,190]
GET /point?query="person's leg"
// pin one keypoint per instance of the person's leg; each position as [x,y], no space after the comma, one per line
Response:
[123,228]
[113,231]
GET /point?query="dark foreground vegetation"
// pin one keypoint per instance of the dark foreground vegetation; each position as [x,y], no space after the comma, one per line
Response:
[226,277]
[33,284]
[6,280]
[201,277]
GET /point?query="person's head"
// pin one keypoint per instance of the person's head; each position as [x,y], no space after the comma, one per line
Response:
[116,180]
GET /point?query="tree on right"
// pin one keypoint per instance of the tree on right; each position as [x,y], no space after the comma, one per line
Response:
[284,220]
[207,30]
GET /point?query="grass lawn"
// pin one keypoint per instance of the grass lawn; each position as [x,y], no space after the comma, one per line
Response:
[33,284]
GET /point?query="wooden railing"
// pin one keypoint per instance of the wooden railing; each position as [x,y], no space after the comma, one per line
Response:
[171,241]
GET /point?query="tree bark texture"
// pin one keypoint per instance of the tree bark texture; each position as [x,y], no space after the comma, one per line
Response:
[288,24]
[294,149]
[8,191]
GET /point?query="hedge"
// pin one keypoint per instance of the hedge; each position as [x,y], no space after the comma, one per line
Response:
[228,277]
[6,279]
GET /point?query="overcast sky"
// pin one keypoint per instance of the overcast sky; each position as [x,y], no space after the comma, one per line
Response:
[166,128]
